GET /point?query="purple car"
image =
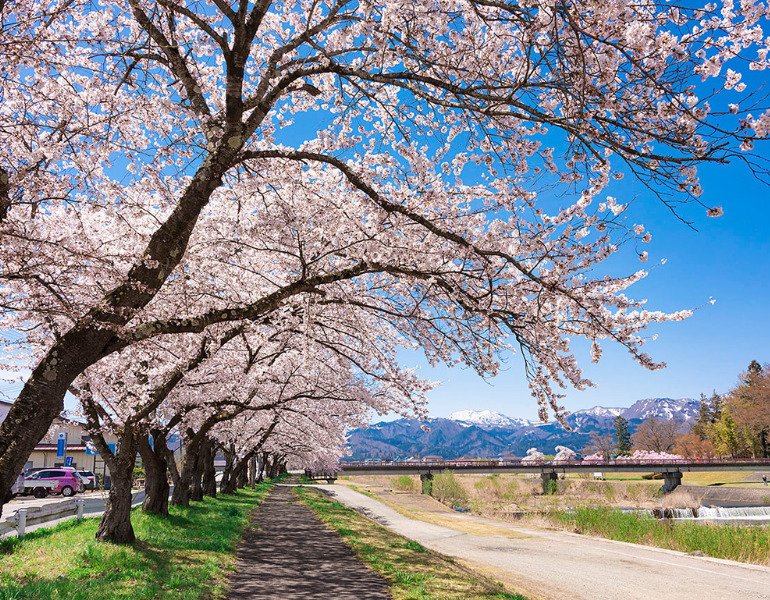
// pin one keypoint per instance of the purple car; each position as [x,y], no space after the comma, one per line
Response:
[66,482]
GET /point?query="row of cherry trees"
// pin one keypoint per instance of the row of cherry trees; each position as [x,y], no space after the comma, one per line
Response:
[276,393]
[226,217]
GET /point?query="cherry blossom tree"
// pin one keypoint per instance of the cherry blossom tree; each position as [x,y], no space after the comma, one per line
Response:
[148,149]
[564,453]
[534,457]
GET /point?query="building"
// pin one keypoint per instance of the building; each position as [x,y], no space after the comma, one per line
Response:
[77,448]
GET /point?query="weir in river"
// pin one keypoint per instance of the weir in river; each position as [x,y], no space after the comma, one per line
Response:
[759,515]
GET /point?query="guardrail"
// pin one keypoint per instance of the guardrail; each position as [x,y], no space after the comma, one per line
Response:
[66,509]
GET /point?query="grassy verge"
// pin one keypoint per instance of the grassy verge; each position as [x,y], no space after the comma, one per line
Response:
[186,556]
[412,571]
[744,544]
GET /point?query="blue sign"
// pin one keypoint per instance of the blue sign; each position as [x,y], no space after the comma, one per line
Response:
[92,451]
[172,443]
[61,445]
[68,462]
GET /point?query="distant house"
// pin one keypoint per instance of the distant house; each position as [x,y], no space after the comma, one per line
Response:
[432,458]
[83,454]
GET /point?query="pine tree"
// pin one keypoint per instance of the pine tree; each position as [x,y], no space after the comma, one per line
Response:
[702,425]
[622,436]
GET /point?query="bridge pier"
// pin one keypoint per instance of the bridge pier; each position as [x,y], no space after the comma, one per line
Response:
[547,478]
[427,482]
[670,481]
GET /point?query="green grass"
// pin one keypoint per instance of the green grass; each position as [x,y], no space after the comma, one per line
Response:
[412,571]
[744,544]
[186,556]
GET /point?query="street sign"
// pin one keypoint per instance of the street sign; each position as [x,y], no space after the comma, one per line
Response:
[92,451]
[68,461]
[61,445]
[173,442]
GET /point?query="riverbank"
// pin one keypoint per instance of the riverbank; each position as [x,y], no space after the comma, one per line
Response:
[558,565]
[593,508]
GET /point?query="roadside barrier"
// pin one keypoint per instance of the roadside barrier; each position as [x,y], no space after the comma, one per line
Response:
[72,508]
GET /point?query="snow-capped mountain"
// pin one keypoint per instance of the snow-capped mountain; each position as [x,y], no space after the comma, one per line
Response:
[486,433]
[601,411]
[486,418]
[682,409]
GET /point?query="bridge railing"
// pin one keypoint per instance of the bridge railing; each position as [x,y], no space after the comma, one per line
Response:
[513,463]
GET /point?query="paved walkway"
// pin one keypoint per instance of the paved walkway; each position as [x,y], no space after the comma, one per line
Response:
[564,566]
[290,555]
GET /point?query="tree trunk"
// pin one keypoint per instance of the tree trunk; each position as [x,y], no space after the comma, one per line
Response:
[209,473]
[242,478]
[115,525]
[196,487]
[182,487]
[155,461]
[225,486]
[261,467]
[253,472]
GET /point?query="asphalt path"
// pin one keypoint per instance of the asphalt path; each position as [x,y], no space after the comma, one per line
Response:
[288,554]
[552,565]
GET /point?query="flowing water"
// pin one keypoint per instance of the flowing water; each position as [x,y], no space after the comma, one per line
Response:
[747,515]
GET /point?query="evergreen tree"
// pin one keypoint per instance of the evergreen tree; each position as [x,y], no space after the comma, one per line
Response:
[622,436]
[701,427]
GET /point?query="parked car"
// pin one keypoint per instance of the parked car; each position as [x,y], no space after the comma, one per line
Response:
[33,470]
[17,489]
[67,483]
[89,479]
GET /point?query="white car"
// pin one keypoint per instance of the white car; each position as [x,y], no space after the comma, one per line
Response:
[89,479]
[18,485]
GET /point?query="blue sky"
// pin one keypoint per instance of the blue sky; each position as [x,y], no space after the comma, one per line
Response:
[727,258]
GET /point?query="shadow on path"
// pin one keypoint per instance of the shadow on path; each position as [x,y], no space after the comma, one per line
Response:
[290,555]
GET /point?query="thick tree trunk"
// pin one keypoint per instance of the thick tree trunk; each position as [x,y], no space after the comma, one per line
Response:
[242,477]
[196,486]
[156,487]
[261,467]
[115,525]
[209,473]
[227,485]
[272,467]
[182,487]
[173,470]
[253,472]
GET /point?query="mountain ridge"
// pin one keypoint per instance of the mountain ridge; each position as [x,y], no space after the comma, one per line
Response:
[486,433]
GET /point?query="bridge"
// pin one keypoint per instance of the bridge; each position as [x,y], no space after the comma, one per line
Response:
[671,469]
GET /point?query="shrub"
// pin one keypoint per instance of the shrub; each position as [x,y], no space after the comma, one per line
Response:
[447,489]
[403,483]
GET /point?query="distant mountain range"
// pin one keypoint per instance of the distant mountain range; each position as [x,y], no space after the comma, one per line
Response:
[488,433]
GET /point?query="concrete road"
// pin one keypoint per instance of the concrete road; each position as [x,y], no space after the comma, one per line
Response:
[30,501]
[554,565]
